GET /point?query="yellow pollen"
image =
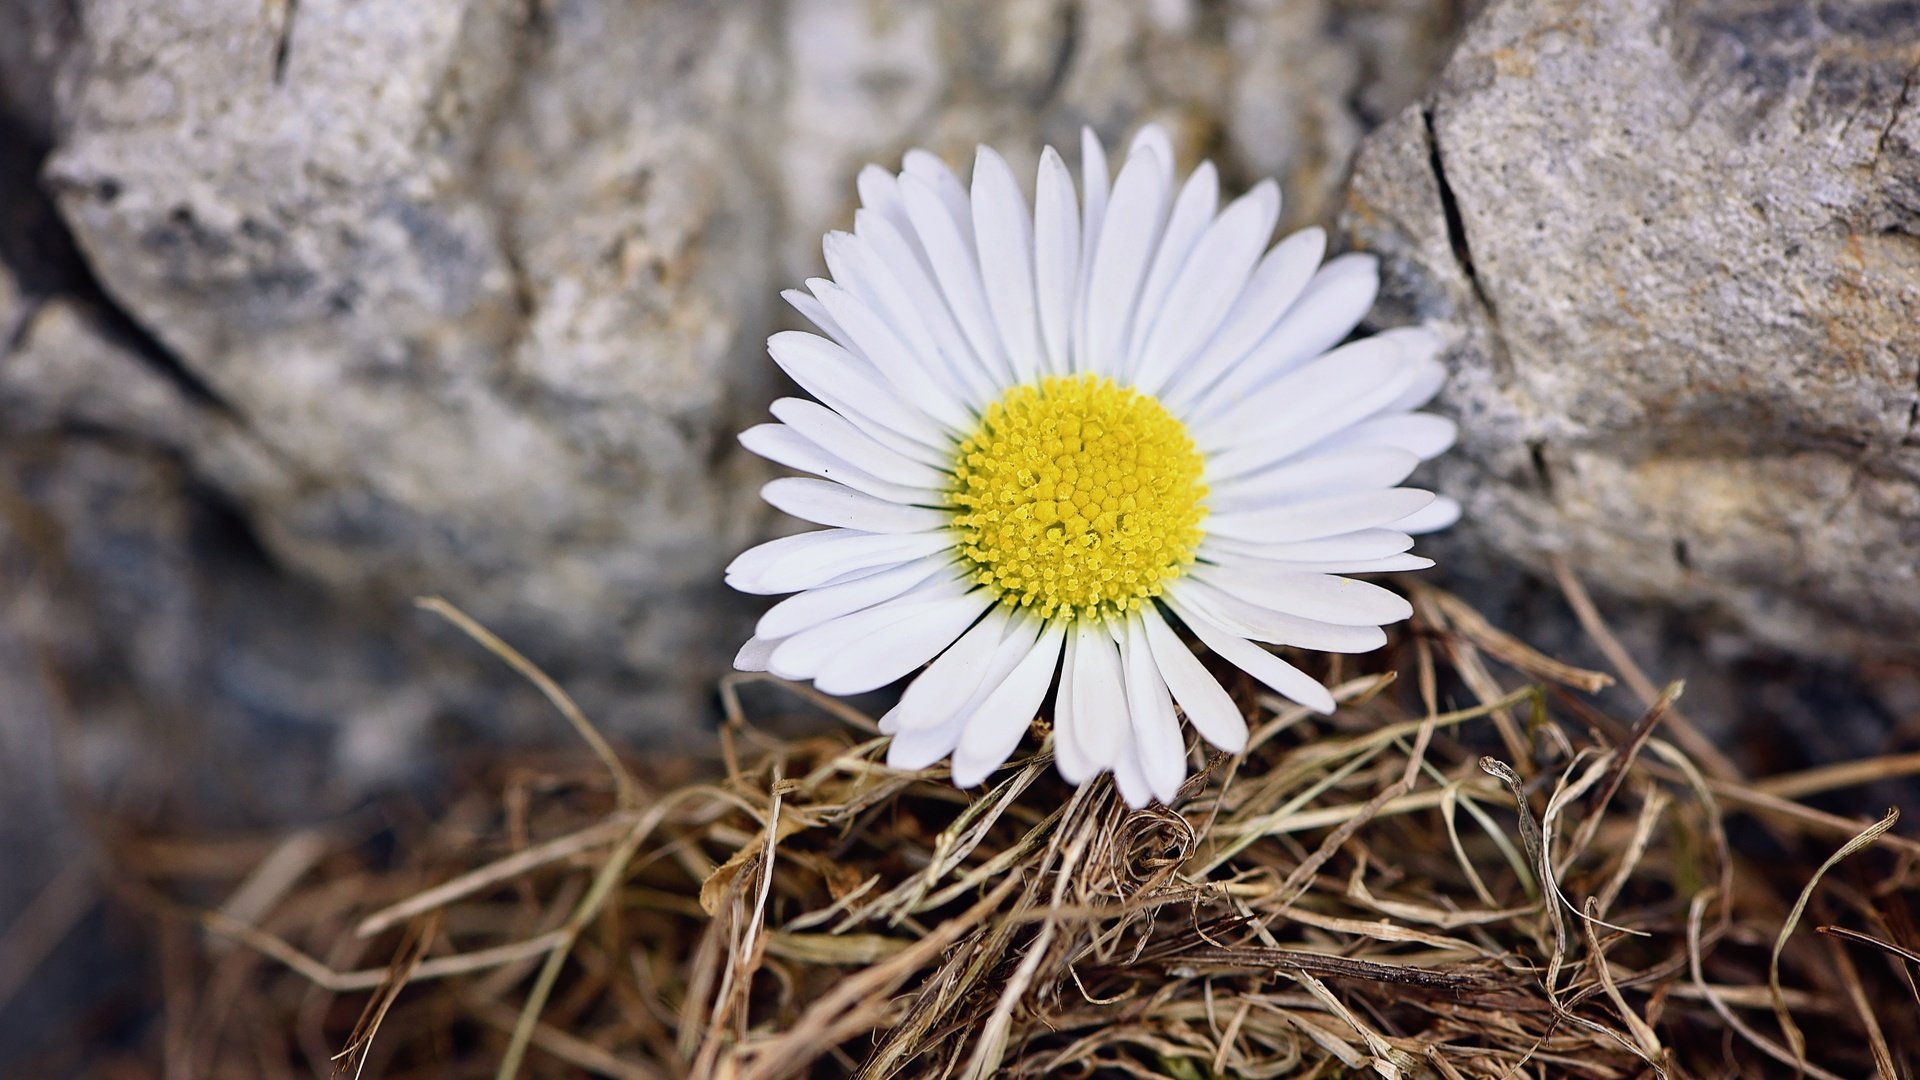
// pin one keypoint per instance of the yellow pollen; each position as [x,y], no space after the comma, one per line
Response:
[1076,497]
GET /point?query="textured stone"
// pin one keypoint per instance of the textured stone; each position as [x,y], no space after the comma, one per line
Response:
[438,262]
[40,34]
[1679,246]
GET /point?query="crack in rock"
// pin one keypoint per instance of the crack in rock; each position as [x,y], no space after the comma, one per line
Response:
[1462,250]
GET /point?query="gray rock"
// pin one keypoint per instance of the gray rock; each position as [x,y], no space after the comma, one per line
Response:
[63,355]
[40,34]
[439,264]
[1679,245]
[15,308]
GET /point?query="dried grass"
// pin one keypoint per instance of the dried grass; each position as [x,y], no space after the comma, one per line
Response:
[1517,885]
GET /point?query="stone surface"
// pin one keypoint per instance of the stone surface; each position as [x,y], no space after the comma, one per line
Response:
[448,297]
[1679,246]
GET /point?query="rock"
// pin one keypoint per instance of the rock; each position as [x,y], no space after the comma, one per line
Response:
[440,270]
[63,355]
[173,647]
[1679,246]
[40,35]
[14,307]
[1280,88]
[39,835]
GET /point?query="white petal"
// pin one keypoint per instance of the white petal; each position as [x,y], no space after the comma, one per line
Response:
[1420,342]
[857,265]
[1283,678]
[1127,239]
[1334,302]
[1316,518]
[1207,704]
[909,750]
[799,657]
[956,270]
[842,381]
[909,270]
[824,502]
[1158,748]
[1003,230]
[890,653]
[1322,597]
[782,445]
[1022,631]
[921,747]
[815,312]
[756,560]
[996,726]
[753,655]
[1099,695]
[802,655]
[1236,612]
[840,437]
[931,171]
[1068,755]
[1396,564]
[1094,180]
[1421,347]
[1213,278]
[880,195]
[1302,433]
[878,188]
[1362,544]
[1423,380]
[1275,285]
[934,697]
[1389,564]
[906,370]
[1302,407]
[1130,778]
[815,606]
[1193,210]
[1056,258]
[1323,473]
[1424,435]
[855,575]
[1433,517]
[1425,385]
[832,553]
[1155,136]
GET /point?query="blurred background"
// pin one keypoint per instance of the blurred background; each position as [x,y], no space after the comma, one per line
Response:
[309,307]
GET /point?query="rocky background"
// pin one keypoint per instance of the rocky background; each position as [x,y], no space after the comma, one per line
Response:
[308,307]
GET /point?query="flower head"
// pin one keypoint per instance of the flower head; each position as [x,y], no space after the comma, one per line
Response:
[1042,436]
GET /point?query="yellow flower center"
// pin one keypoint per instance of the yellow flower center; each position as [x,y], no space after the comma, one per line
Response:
[1076,497]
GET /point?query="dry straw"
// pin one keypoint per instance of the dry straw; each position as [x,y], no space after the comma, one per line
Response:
[1472,870]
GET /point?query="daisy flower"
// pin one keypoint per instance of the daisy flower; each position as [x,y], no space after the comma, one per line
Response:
[1042,437]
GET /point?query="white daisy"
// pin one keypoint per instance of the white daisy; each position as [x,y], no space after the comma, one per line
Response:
[1044,435]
